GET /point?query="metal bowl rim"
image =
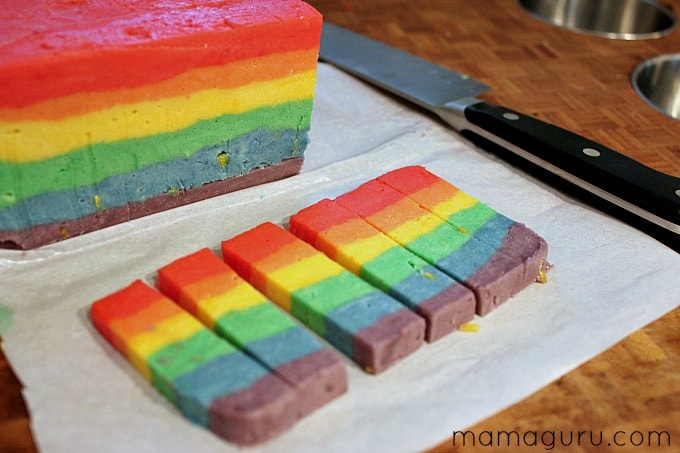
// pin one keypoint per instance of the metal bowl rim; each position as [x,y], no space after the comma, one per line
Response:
[615,35]
[635,75]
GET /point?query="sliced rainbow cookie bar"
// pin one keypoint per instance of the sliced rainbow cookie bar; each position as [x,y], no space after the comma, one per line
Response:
[371,328]
[359,247]
[113,110]
[471,216]
[210,290]
[209,380]
[492,276]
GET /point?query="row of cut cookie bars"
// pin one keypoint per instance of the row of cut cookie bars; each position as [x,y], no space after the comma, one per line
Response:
[403,258]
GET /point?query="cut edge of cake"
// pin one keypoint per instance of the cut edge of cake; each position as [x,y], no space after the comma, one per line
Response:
[87,193]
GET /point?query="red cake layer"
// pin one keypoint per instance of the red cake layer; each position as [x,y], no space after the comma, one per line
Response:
[102,45]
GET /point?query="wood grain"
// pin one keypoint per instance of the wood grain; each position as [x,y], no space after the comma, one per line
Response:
[575,81]
[581,83]
[15,432]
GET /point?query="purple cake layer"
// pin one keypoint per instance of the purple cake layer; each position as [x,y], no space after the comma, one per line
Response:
[319,377]
[443,316]
[522,244]
[255,414]
[381,347]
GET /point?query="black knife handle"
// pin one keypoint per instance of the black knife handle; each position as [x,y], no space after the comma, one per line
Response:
[593,166]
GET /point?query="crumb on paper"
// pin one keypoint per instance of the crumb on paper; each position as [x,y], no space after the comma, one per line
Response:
[542,276]
[470,327]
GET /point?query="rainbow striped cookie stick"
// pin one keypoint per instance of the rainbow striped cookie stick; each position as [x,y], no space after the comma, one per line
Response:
[368,326]
[470,215]
[211,382]
[492,276]
[210,290]
[350,241]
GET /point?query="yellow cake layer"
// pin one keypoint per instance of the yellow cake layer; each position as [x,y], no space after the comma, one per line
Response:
[413,229]
[354,255]
[240,297]
[27,141]
[302,273]
[457,203]
[166,332]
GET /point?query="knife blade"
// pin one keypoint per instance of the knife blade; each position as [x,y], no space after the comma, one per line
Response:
[647,198]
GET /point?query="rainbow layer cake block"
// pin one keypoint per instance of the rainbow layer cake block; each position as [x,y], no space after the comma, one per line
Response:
[111,110]
[368,326]
[210,380]
[206,287]
[493,276]
[471,216]
[352,242]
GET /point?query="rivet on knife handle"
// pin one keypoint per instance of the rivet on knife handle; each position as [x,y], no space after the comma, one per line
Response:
[608,174]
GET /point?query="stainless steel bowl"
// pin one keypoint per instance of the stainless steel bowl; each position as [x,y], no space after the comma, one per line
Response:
[657,81]
[614,19]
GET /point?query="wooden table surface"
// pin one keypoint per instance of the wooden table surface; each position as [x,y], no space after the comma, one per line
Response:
[576,81]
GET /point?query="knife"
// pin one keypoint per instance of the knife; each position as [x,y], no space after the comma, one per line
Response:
[646,198]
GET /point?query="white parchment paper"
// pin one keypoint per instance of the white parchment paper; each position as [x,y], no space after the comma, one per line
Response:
[608,280]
